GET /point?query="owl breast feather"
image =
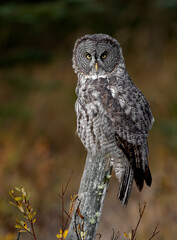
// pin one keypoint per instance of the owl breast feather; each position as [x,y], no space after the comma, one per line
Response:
[111,105]
[93,127]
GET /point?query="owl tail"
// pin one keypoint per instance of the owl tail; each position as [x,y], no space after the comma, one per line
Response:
[126,186]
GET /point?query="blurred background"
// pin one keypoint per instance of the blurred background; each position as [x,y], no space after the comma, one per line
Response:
[38,145]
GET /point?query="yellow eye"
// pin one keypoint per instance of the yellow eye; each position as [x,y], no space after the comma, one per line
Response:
[104,55]
[88,56]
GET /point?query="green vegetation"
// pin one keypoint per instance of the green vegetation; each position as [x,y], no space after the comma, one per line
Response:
[23,204]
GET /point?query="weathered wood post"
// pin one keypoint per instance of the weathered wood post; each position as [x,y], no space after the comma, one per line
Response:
[92,192]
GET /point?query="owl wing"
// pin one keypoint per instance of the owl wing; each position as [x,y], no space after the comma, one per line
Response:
[131,117]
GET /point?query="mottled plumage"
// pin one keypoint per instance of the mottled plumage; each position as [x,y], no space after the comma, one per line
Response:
[113,116]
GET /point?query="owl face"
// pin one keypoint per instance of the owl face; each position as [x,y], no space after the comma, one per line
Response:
[96,55]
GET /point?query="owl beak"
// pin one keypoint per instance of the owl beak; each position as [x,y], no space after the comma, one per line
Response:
[96,67]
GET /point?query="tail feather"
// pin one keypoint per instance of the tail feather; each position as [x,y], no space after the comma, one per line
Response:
[140,175]
[139,178]
[147,176]
[125,187]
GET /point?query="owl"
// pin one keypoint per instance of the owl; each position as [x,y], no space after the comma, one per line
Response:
[113,116]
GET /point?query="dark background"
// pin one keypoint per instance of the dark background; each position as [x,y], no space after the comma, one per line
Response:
[38,145]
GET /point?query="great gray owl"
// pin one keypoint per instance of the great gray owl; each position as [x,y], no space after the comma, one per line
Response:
[113,116]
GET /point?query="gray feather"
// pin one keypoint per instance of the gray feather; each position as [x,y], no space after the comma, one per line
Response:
[113,116]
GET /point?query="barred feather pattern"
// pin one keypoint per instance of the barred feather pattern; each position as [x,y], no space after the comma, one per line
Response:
[114,117]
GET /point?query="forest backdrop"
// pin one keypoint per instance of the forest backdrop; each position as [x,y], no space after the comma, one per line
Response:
[38,145]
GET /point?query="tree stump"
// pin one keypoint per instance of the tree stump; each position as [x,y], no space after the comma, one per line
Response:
[92,192]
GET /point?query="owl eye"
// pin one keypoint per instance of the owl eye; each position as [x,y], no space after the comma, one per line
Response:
[103,55]
[88,56]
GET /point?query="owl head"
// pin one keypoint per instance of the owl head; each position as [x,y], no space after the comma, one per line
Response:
[97,55]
